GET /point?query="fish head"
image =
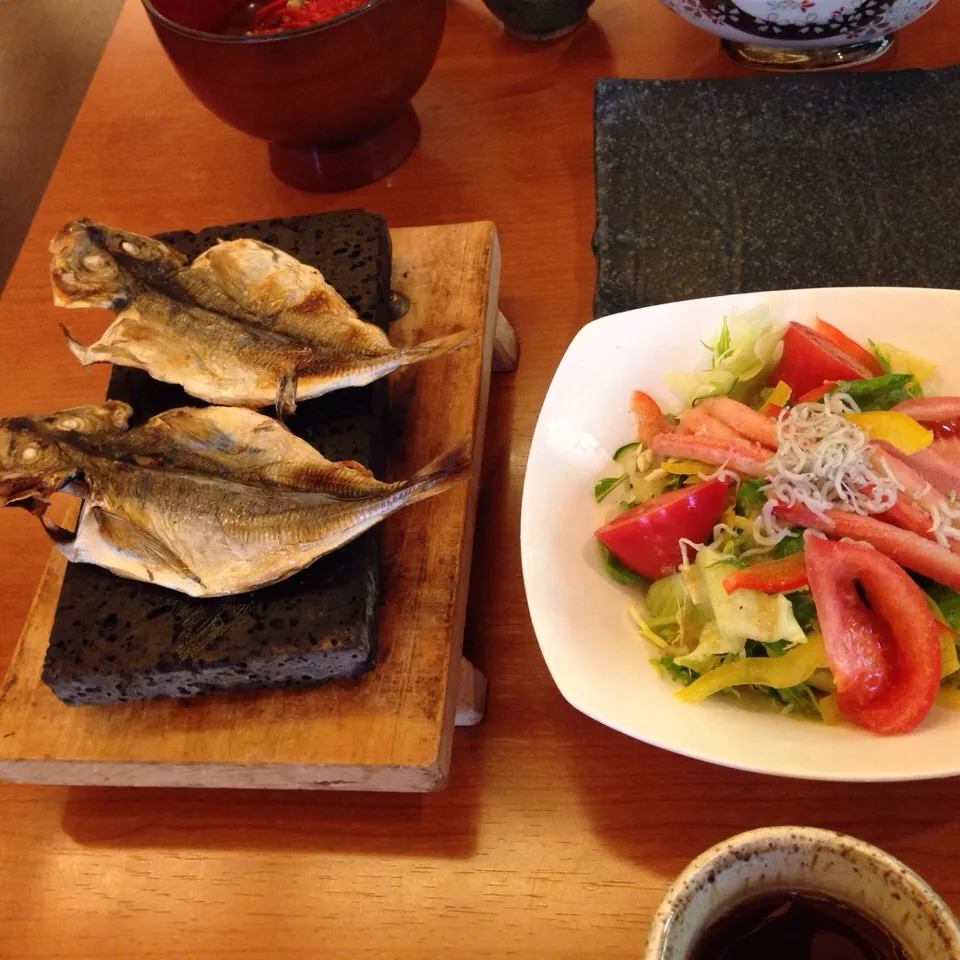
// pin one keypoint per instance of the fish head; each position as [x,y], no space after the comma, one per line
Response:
[95,419]
[84,273]
[143,255]
[32,464]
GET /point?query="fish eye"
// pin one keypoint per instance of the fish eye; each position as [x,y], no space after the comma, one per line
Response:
[93,260]
[128,247]
[71,423]
[29,453]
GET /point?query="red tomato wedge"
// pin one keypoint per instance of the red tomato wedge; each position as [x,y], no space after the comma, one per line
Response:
[809,358]
[770,576]
[884,653]
[906,548]
[849,346]
[747,458]
[817,393]
[648,416]
[647,537]
[747,422]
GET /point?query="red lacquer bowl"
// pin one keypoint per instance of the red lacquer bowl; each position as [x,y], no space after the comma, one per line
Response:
[332,100]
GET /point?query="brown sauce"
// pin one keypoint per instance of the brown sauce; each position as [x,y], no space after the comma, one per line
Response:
[793,925]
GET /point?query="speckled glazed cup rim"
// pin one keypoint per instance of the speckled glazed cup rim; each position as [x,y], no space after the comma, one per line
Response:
[810,858]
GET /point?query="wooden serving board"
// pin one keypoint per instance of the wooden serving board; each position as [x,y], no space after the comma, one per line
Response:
[391,729]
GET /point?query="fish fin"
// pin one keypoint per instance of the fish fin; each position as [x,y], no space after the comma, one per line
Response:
[61,536]
[286,401]
[76,347]
[354,465]
[443,472]
[135,542]
[435,348]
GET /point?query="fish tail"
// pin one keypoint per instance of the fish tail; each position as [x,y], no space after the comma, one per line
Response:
[434,348]
[76,348]
[442,473]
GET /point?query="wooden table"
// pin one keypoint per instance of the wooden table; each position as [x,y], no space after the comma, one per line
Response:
[557,836]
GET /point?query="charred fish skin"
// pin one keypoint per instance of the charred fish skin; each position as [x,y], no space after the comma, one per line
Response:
[195,500]
[288,296]
[244,324]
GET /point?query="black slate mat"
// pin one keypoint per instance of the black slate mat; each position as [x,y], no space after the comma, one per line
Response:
[708,187]
[116,639]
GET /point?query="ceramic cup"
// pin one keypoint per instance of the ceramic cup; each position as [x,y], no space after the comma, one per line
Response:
[802,34]
[803,858]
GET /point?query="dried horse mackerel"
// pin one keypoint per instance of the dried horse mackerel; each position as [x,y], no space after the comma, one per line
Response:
[209,501]
[244,324]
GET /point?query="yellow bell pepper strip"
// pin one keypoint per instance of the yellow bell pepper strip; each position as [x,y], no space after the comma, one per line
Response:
[829,710]
[949,659]
[778,399]
[897,429]
[795,666]
[949,697]
[901,361]
[683,468]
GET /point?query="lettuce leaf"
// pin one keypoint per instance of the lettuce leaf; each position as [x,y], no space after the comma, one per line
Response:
[746,350]
[880,393]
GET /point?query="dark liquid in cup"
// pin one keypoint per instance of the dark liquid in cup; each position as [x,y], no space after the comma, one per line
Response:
[794,925]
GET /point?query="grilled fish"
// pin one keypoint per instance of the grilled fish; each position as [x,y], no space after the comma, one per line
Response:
[209,502]
[244,324]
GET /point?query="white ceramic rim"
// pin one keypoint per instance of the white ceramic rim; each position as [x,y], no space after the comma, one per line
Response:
[698,869]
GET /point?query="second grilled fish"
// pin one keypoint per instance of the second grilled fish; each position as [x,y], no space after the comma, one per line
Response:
[204,501]
[245,324]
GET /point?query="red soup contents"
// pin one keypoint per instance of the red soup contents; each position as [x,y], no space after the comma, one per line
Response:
[275,16]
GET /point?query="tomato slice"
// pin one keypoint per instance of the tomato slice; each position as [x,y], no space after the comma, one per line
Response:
[839,339]
[884,653]
[770,576]
[647,537]
[648,415]
[906,548]
[747,422]
[750,459]
[809,358]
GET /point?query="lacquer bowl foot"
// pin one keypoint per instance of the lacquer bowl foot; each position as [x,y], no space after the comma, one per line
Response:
[782,59]
[330,168]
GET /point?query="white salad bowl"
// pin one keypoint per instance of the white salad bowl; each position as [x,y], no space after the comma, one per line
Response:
[594,653]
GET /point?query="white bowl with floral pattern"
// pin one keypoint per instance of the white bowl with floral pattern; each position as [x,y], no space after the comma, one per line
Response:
[802,34]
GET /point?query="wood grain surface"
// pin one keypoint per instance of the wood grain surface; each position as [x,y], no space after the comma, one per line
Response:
[392,728]
[556,836]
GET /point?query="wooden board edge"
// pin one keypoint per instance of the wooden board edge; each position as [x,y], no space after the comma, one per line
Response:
[470,514]
[229,776]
